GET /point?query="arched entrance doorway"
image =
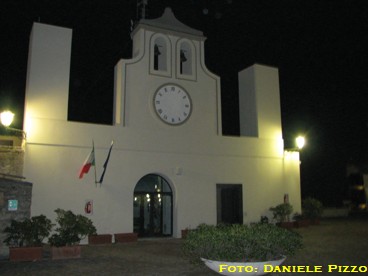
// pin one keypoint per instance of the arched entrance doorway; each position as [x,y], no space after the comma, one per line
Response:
[153,207]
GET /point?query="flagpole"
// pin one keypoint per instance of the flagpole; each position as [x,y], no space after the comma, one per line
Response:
[93,145]
[105,164]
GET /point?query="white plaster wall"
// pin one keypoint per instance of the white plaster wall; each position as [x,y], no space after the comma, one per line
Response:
[48,71]
[365,181]
[259,97]
[57,150]
[194,189]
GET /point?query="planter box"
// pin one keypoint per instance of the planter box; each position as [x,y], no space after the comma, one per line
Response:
[100,239]
[315,221]
[286,224]
[184,233]
[65,252]
[125,237]
[18,254]
[301,223]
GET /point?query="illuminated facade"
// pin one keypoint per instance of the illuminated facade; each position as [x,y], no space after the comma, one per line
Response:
[170,167]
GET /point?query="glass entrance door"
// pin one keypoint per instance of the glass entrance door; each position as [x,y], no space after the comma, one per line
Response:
[152,207]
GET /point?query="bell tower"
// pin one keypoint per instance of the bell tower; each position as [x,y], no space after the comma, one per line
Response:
[167,54]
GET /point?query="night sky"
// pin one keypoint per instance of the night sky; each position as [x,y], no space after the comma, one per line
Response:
[320,48]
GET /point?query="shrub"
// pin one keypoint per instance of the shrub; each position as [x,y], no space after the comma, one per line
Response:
[240,243]
[29,232]
[282,212]
[71,228]
[312,208]
[298,217]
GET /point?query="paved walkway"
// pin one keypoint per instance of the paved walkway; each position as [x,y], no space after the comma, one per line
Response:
[145,257]
[334,242]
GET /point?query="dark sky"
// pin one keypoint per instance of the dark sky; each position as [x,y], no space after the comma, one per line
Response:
[319,46]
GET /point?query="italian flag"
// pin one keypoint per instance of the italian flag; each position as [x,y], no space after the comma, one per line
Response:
[88,163]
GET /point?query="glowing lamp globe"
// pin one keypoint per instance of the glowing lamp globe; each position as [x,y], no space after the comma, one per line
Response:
[300,142]
[6,118]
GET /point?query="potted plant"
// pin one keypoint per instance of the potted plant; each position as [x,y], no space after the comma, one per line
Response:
[246,246]
[25,238]
[70,231]
[300,220]
[281,213]
[312,209]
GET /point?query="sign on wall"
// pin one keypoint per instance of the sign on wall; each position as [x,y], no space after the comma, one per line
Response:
[12,205]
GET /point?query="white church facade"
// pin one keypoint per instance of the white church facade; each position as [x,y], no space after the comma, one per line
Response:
[170,167]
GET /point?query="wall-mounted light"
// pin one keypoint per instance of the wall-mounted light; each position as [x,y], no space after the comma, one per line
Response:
[6,119]
[300,142]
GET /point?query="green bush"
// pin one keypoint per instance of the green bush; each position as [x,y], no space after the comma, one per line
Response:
[312,208]
[29,232]
[240,243]
[71,228]
[282,212]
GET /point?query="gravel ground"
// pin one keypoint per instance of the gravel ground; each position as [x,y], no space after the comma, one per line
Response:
[339,242]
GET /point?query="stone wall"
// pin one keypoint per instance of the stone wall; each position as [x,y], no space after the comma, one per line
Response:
[15,203]
[11,161]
